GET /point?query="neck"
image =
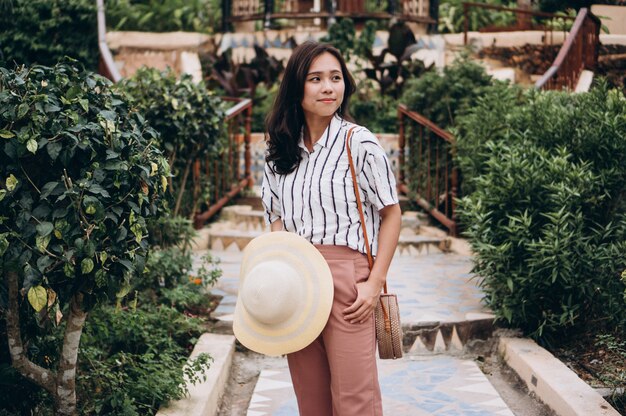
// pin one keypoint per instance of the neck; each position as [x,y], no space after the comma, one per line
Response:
[314,127]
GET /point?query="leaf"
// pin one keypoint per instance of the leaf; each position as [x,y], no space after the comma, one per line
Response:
[3,193]
[123,291]
[5,134]
[4,243]
[11,182]
[58,316]
[84,103]
[164,183]
[22,110]
[86,266]
[45,228]
[42,242]
[154,168]
[37,297]
[52,297]
[31,145]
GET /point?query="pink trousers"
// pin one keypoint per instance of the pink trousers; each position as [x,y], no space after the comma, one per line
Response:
[336,374]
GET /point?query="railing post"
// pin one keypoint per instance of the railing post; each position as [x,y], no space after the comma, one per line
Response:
[269,9]
[226,13]
[433,12]
[247,153]
[401,144]
[332,7]
[465,22]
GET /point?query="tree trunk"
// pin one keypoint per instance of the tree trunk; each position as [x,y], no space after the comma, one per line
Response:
[62,384]
[38,375]
[65,397]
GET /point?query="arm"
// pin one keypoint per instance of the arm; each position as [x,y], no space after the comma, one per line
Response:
[369,291]
[277,225]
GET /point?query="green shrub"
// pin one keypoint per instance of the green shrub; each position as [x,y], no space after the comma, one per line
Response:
[164,16]
[190,122]
[79,176]
[451,19]
[44,31]
[377,112]
[79,173]
[441,97]
[263,102]
[547,217]
[132,360]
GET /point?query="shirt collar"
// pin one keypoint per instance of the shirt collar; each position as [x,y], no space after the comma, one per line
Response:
[329,135]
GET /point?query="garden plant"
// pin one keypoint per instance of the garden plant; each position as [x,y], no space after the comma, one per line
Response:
[79,176]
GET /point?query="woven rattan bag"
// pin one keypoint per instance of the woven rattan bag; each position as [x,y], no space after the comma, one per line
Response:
[387,313]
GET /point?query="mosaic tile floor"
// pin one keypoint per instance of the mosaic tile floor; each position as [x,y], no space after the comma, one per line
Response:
[413,386]
[433,287]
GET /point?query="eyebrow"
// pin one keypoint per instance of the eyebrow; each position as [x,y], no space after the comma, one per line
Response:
[320,72]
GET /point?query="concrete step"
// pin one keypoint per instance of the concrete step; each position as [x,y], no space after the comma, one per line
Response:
[204,397]
[418,244]
[228,239]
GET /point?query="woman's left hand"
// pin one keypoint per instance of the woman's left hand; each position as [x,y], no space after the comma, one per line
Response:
[365,303]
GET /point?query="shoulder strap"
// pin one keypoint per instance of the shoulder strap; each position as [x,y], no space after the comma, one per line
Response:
[370,259]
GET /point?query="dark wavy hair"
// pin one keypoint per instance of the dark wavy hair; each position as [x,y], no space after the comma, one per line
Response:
[285,120]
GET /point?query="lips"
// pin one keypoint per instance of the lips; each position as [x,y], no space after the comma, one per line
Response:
[328,100]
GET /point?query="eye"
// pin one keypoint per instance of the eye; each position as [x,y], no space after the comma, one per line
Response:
[314,79]
[337,78]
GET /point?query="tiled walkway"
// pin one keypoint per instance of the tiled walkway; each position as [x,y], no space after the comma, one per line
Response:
[433,287]
[412,386]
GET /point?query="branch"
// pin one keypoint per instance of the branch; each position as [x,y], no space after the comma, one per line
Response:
[39,375]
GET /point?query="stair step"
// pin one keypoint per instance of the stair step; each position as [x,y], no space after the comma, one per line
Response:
[231,239]
[243,217]
[423,243]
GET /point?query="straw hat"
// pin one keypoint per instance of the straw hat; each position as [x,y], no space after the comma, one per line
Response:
[285,294]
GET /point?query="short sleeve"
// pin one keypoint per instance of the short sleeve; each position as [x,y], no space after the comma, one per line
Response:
[269,196]
[376,177]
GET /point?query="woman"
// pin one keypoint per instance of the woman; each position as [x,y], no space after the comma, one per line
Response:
[308,189]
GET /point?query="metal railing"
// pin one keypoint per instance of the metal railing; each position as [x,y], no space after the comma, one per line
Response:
[268,10]
[223,172]
[524,20]
[579,52]
[427,172]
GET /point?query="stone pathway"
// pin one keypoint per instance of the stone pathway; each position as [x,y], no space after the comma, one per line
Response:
[413,386]
[431,288]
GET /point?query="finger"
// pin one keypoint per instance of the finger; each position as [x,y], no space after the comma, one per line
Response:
[365,317]
[352,308]
[354,317]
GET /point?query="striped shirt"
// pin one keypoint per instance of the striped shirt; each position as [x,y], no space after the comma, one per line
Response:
[317,200]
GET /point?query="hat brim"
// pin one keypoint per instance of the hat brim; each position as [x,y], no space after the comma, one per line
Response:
[312,315]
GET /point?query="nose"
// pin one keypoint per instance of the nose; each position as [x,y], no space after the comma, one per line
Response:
[327,86]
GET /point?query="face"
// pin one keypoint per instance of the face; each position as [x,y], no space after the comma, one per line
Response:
[323,87]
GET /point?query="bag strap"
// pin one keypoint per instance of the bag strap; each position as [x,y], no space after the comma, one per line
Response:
[370,259]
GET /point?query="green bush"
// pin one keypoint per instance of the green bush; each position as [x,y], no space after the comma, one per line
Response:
[44,31]
[441,97]
[263,102]
[451,19]
[164,16]
[377,112]
[547,217]
[132,360]
[79,176]
[190,121]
